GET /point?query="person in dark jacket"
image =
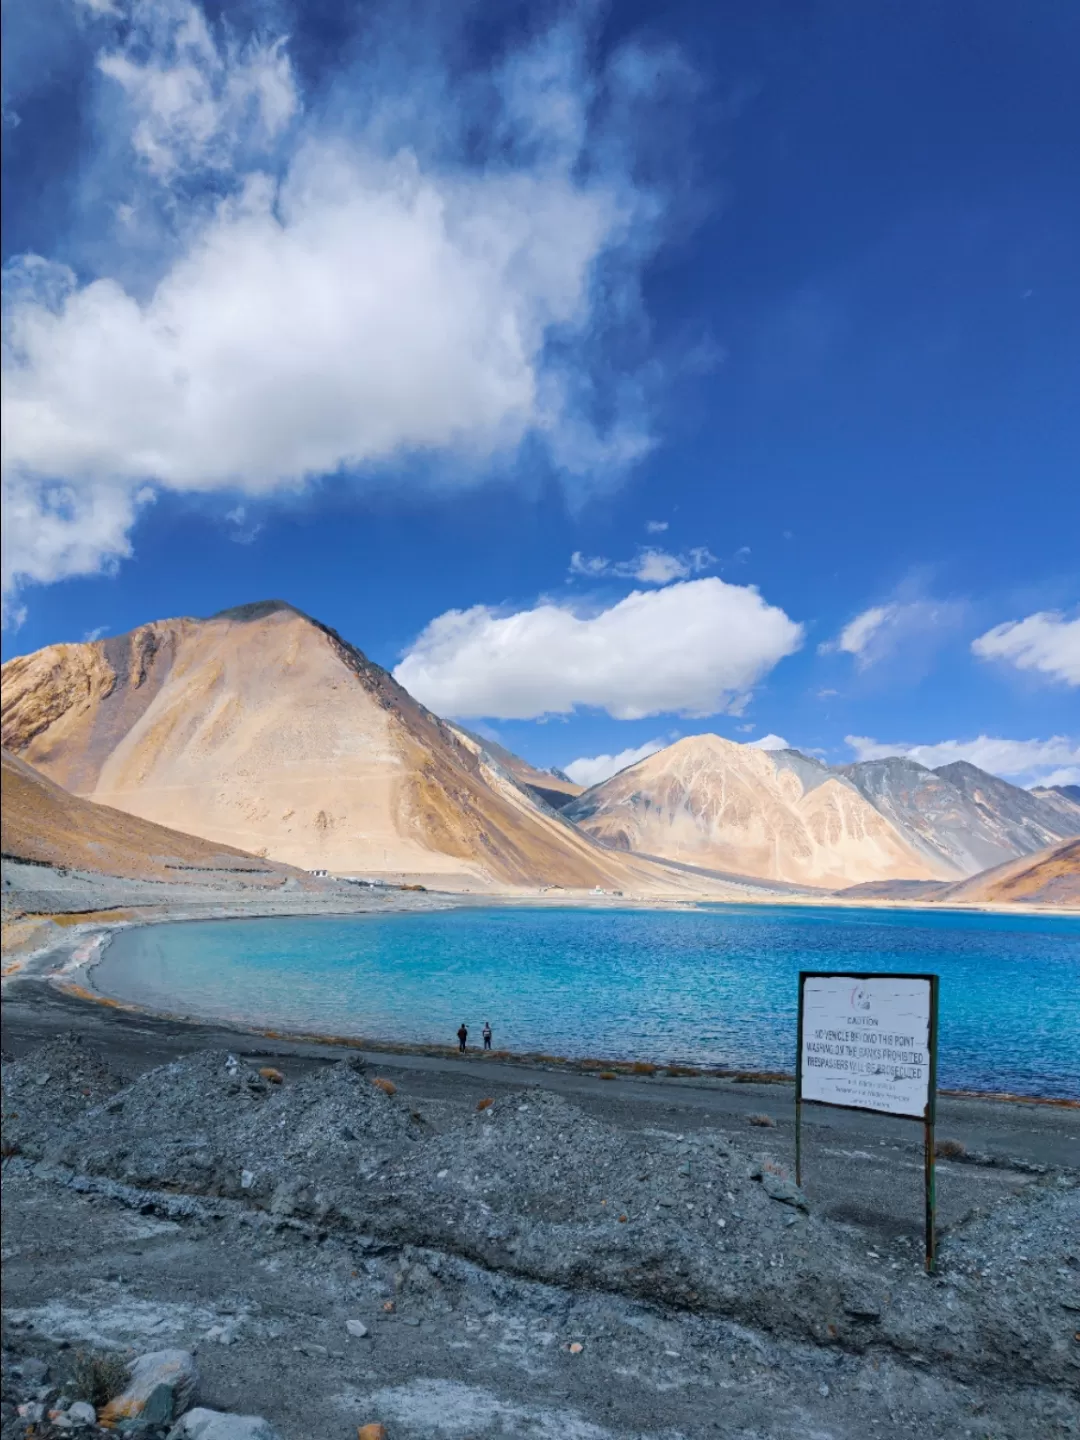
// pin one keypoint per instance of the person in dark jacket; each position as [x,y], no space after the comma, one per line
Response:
[462,1036]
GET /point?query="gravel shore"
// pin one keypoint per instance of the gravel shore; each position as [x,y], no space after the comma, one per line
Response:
[158,1188]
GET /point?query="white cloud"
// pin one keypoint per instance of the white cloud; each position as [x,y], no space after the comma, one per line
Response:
[95,634]
[656,527]
[1046,642]
[1067,775]
[330,294]
[769,742]
[695,648]
[592,769]
[857,634]
[581,564]
[899,627]
[195,103]
[244,531]
[1024,762]
[649,566]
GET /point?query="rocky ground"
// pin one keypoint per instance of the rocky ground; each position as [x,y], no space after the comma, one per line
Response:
[571,1259]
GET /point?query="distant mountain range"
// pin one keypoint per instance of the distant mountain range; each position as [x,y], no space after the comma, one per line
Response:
[264,731]
[1050,877]
[783,815]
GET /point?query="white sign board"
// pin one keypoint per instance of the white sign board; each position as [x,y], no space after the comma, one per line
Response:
[866,1042]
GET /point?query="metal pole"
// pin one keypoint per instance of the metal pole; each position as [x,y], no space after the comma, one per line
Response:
[798,1138]
[928,1135]
[928,1166]
[798,1087]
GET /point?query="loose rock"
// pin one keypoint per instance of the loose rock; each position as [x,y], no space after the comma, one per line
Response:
[202,1424]
[160,1389]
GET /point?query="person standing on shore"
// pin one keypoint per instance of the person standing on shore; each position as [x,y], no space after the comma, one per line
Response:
[487,1034]
[462,1037]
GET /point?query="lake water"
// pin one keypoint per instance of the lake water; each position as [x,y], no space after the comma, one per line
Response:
[715,986]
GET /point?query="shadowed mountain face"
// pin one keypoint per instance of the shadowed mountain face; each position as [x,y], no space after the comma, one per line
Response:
[262,729]
[706,801]
[42,823]
[960,817]
[551,787]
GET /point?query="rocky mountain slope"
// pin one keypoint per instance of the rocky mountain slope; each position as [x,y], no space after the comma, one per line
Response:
[263,730]
[707,801]
[787,816]
[960,817]
[1051,877]
[550,786]
[43,824]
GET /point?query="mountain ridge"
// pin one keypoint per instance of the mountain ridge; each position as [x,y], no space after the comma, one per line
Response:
[266,730]
[718,805]
[942,825]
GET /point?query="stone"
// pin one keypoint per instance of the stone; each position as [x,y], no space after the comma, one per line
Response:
[862,1307]
[356,1328]
[34,1371]
[82,1413]
[778,1187]
[374,1431]
[160,1389]
[203,1424]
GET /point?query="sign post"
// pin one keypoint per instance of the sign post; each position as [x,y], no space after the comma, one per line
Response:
[869,1042]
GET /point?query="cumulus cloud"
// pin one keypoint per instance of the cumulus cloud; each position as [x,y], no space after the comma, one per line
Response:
[900,627]
[694,648]
[770,742]
[656,527]
[649,566]
[1024,762]
[592,769]
[381,280]
[1046,642]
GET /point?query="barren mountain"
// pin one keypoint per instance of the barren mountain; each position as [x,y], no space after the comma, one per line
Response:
[962,819]
[709,802]
[1050,877]
[264,730]
[551,786]
[42,823]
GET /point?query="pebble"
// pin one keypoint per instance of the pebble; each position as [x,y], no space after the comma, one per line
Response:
[356,1328]
[82,1413]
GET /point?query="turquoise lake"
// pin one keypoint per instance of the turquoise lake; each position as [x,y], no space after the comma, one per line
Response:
[715,986]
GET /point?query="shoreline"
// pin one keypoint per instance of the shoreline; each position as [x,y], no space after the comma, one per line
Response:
[67,966]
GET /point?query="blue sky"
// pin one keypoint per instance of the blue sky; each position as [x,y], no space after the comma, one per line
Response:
[616,373]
